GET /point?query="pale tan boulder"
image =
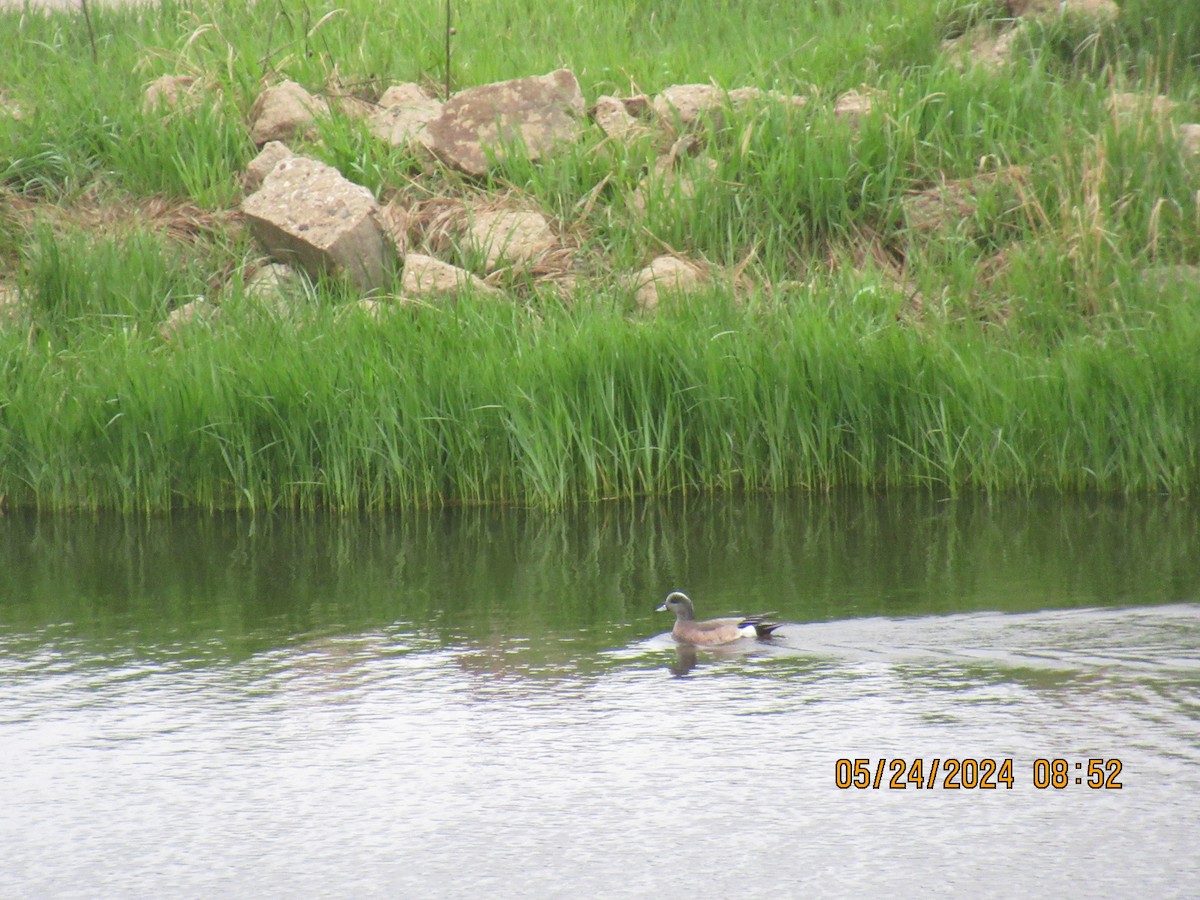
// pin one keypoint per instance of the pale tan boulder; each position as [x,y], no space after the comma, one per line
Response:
[198,312]
[665,275]
[683,107]
[481,123]
[270,284]
[402,114]
[613,116]
[745,98]
[853,106]
[308,215]
[509,235]
[425,276]
[283,112]
[169,92]
[688,104]
[379,307]
[394,219]
[261,166]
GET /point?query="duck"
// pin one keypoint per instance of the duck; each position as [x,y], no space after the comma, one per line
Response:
[711,632]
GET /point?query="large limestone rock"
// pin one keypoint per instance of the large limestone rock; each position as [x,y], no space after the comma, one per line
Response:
[403,113]
[665,275]
[284,111]
[306,214]
[272,284]
[198,312]
[687,104]
[425,276]
[394,219]
[535,112]
[262,165]
[613,116]
[518,236]
[171,92]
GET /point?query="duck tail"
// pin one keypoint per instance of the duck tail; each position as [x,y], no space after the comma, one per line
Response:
[763,626]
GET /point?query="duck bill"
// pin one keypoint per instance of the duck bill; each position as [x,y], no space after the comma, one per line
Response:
[662,608]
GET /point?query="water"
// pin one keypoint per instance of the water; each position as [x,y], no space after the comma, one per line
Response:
[484,702]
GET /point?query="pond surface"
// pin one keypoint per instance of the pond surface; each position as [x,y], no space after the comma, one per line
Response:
[484,703]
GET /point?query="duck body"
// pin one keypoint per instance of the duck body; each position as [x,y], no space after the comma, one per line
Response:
[710,632]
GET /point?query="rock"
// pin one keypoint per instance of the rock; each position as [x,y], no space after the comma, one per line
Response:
[197,312]
[520,236]
[537,113]
[687,104]
[1189,140]
[261,166]
[403,113]
[615,120]
[170,92]
[747,97]
[953,203]
[283,112]
[1093,12]
[394,220]
[308,215]
[638,106]
[426,276]
[983,46]
[665,275]
[1132,105]
[675,174]
[378,307]
[351,106]
[271,283]
[853,106]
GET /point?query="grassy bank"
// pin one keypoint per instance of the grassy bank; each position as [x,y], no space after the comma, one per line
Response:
[1047,338]
[489,403]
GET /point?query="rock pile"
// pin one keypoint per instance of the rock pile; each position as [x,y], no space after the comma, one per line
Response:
[992,45]
[307,215]
[310,218]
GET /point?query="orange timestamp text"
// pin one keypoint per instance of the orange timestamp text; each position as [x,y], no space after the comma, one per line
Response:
[983,774]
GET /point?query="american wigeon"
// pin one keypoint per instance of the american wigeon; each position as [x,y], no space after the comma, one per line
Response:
[712,631]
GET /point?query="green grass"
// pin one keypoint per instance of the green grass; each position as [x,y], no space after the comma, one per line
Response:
[1025,344]
[490,403]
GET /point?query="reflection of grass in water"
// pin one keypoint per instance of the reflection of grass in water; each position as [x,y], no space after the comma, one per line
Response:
[579,588]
